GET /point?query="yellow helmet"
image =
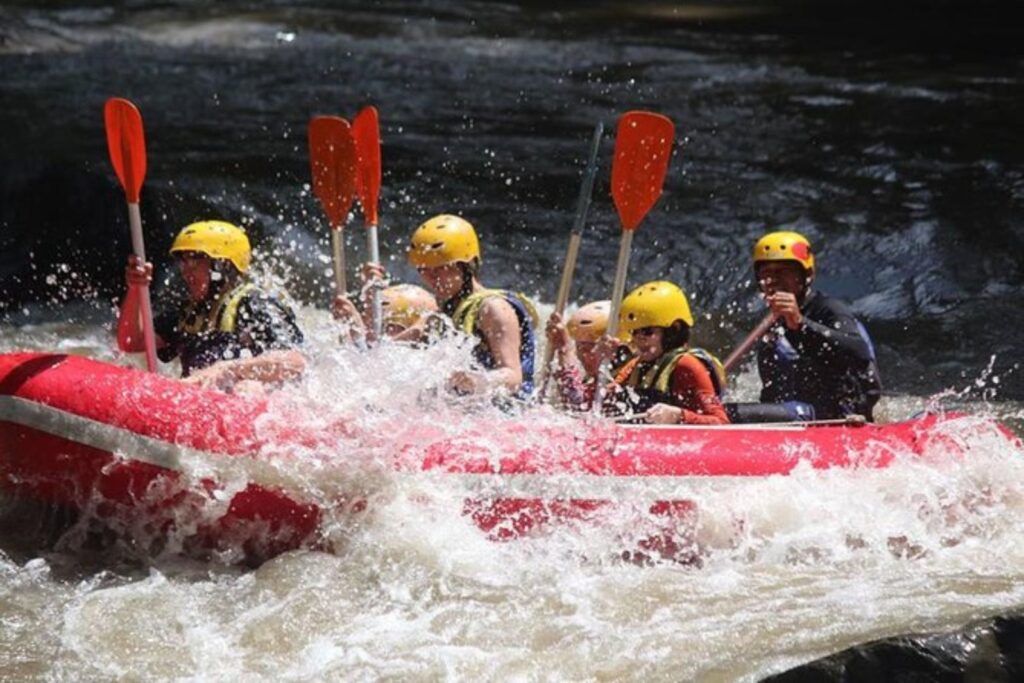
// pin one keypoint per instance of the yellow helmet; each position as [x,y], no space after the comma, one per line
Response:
[442,240]
[784,246]
[590,322]
[216,239]
[404,304]
[655,304]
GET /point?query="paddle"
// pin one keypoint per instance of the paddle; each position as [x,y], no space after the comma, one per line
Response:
[575,237]
[332,157]
[643,145]
[366,131]
[748,343]
[127,146]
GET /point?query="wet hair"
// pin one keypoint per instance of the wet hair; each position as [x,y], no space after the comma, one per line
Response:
[469,271]
[676,336]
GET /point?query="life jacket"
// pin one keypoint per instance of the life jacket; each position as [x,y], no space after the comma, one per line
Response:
[653,384]
[221,317]
[465,319]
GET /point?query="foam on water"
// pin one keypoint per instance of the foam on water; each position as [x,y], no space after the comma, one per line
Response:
[780,570]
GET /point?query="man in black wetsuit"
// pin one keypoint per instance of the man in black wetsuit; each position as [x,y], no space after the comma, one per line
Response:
[229,331]
[817,352]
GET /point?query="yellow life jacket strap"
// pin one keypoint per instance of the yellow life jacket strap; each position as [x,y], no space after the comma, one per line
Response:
[667,364]
[228,311]
[659,375]
[466,312]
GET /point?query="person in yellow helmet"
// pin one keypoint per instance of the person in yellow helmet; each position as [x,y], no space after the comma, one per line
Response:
[667,381]
[445,251]
[228,331]
[580,346]
[403,307]
[817,353]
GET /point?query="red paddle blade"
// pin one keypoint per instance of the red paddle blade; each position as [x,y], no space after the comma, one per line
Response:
[127,145]
[332,158]
[366,130]
[643,145]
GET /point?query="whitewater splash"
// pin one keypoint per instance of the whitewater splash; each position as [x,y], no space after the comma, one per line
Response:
[774,571]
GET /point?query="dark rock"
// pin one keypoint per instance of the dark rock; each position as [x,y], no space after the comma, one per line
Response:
[985,651]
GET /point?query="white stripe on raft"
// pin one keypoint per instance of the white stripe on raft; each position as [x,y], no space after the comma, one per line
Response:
[87,432]
[225,468]
[128,445]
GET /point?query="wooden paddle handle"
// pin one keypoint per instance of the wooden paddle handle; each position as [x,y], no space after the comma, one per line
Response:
[563,296]
[571,255]
[575,238]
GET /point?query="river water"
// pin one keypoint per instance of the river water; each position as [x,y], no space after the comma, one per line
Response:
[895,150]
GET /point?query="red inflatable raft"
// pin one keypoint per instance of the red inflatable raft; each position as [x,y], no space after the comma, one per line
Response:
[142,449]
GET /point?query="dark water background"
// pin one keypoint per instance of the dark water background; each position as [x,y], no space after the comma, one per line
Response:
[891,136]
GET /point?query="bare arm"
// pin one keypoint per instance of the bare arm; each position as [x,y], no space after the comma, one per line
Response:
[561,342]
[499,326]
[272,367]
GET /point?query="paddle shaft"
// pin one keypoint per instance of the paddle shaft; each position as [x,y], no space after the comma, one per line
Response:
[748,343]
[373,246]
[145,307]
[582,207]
[618,288]
[338,248]
[575,238]
[571,256]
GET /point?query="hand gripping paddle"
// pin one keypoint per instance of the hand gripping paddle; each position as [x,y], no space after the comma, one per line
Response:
[366,131]
[127,146]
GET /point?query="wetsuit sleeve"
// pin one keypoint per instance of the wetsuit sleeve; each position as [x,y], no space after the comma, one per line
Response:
[268,324]
[828,328]
[693,386]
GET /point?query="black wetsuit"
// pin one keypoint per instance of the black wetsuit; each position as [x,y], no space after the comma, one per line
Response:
[829,362]
[205,333]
